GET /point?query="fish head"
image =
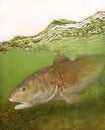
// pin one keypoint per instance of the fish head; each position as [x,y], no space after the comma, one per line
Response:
[23,94]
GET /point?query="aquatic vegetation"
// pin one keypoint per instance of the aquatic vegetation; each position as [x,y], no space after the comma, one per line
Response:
[87,115]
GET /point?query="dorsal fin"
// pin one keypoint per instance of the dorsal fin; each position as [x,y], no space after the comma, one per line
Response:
[59,58]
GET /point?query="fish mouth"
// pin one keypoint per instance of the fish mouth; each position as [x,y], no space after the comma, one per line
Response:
[11,100]
[21,105]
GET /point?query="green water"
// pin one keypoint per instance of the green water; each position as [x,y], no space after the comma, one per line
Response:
[79,45]
[22,56]
[16,65]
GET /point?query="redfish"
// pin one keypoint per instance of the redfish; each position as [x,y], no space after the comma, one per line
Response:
[63,80]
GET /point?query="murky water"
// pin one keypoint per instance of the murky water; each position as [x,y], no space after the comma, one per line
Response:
[22,56]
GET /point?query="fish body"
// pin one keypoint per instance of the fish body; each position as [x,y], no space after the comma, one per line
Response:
[63,80]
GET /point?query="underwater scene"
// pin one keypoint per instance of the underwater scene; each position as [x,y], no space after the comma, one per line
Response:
[55,80]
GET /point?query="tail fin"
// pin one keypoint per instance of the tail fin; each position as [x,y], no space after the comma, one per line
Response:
[102,80]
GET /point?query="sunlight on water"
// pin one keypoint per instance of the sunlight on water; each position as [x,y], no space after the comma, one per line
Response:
[65,36]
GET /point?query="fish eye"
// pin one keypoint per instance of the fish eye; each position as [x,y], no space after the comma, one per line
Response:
[23,89]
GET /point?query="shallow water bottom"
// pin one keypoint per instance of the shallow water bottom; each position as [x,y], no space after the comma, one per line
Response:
[89,114]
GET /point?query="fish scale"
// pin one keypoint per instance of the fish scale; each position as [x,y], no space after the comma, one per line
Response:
[84,74]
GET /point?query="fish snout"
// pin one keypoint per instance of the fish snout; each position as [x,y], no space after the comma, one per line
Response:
[10,99]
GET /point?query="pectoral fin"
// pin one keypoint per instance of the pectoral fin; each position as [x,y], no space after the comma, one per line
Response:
[53,95]
[71,98]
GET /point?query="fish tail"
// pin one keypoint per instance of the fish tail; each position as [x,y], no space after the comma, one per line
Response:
[102,79]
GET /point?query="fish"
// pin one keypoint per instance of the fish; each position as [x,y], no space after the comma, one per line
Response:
[64,80]
[102,80]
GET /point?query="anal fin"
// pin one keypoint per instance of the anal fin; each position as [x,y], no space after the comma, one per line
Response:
[53,95]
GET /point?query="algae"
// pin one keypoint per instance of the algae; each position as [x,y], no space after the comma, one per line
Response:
[87,115]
